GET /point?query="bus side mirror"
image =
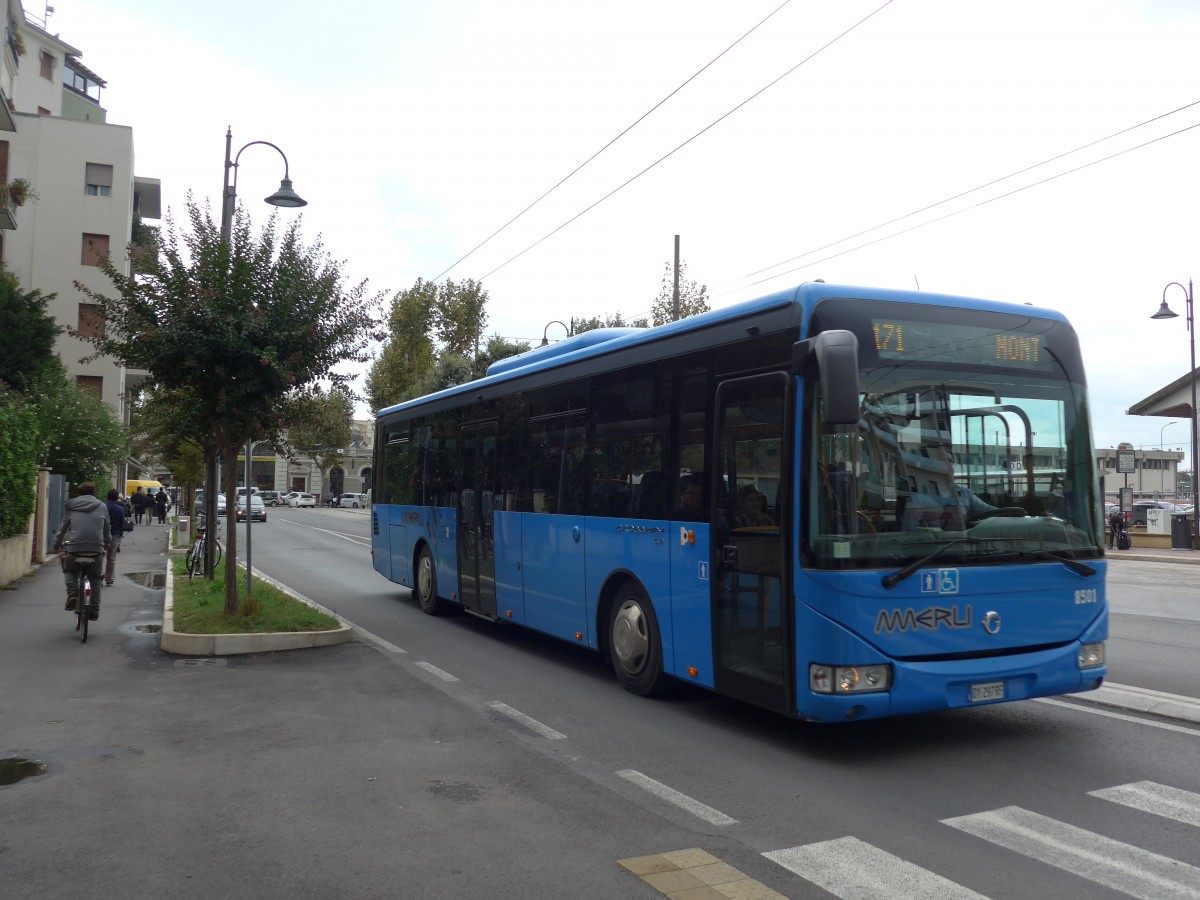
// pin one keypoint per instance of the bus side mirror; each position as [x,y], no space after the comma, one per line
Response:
[836,354]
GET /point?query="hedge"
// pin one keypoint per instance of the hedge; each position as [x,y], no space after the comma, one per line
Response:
[18,469]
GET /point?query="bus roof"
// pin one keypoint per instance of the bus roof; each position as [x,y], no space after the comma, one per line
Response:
[787,308]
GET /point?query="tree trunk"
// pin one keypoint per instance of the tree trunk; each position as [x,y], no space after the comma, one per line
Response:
[231,599]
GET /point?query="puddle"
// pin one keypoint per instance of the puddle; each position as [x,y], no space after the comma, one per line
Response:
[14,768]
[148,629]
[157,580]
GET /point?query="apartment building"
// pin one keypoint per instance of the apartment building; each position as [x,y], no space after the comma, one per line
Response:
[84,194]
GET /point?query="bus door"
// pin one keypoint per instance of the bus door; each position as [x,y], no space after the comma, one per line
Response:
[476,521]
[752,620]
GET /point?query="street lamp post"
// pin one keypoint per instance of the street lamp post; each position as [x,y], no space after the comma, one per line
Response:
[1165,312]
[1161,476]
[284,197]
[546,331]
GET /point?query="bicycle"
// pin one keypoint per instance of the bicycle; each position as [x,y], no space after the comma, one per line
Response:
[195,556]
[83,587]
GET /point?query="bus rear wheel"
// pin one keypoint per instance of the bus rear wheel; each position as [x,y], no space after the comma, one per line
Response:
[427,594]
[634,643]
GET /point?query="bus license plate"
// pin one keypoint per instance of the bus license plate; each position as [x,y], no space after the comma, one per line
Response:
[993,690]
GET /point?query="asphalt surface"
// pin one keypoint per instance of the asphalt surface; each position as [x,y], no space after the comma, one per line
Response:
[330,773]
[337,772]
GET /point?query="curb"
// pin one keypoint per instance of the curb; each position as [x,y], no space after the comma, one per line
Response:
[1187,560]
[1124,696]
[177,642]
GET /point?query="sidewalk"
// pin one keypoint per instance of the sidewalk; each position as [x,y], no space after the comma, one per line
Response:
[336,772]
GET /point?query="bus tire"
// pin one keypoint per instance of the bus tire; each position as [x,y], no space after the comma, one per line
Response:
[634,642]
[426,579]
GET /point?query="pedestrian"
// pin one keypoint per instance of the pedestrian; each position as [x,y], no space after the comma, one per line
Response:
[139,505]
[87,529]
[1116,524]
[116,519]
[161,501]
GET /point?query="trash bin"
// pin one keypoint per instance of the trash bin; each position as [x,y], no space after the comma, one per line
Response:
[1181,531]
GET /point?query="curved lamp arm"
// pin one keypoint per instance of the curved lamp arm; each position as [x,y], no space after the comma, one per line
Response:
[284,197]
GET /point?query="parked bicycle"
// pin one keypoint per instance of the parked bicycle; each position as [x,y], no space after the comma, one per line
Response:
[87,570]
[195,554]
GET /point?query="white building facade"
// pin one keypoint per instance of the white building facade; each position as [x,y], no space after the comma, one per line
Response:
[81,169]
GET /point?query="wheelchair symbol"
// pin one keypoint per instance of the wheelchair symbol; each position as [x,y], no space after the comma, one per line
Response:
[947,581]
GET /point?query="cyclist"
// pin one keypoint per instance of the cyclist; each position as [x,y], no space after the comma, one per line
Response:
[86,526]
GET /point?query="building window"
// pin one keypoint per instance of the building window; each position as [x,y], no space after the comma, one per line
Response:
[94,247]
[97,180]
[91,321]
[47,66]
[94,383]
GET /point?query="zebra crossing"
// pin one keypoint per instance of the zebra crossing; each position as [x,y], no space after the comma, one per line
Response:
[850,868]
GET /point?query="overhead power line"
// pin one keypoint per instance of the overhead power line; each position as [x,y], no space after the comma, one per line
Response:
[956,212]
[959,196]
[629,128]
[706,128]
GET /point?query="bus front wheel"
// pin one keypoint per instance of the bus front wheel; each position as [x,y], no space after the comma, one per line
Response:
[634,644]
[427,594]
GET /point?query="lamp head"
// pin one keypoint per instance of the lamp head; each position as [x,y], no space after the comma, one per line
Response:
[289,199]
[1165,312]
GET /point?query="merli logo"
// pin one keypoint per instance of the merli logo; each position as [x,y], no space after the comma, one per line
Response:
[931,619]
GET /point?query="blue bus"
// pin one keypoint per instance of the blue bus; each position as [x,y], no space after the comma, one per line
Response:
[833,502]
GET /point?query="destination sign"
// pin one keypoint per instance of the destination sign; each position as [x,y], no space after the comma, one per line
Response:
[967,344]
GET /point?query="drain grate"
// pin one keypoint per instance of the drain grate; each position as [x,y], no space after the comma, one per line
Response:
[207,661]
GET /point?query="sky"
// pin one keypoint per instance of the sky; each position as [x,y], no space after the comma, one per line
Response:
[417,129]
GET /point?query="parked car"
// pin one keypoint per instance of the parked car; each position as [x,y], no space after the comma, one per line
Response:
[354,501]
[272,498]
[301,499]
[199,504]
[258,511]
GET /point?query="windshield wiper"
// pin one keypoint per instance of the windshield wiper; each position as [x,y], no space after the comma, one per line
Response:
[890,581]
[1074,565]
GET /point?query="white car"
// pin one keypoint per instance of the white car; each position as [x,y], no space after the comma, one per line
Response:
[297,500]
[354,501]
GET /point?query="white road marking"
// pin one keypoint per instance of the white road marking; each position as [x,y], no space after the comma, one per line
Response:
[378,641]
[352,538]
[532,724]
[1105,861]
[434,670]
[1157,799]
[1165,726]
[683,801]
[850,868]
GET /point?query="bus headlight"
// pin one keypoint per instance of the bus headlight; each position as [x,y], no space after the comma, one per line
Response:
[848,679]
[1091,655]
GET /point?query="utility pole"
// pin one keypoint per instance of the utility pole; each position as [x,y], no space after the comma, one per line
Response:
[675,294]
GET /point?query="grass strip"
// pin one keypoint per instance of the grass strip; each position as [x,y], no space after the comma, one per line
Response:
[200,607]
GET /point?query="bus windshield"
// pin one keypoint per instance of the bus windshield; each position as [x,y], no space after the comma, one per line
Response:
[973,436]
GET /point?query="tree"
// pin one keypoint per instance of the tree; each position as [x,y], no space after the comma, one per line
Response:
[29,334]
[236,328]
[322,428]
[496,349]
[160,426]
[77,434]
[693,297]
[426,321]
[616,320]
[409,354]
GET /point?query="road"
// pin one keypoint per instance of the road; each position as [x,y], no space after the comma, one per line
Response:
[1044,798]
